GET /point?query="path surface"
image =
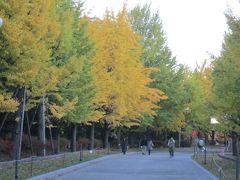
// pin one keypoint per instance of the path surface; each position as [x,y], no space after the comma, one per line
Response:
[134,166]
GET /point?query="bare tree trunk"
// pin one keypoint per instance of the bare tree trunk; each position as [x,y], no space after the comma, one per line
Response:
[51,138]
[92,136]
[33,117]
[29,134]
[130,140]
[119,138]
[58,142]
[213,137]
[41,127]
[74,137]
[206,139]
[234,143]
[3,121]
[179,138]
[166,138]
[106,137]
[20,119]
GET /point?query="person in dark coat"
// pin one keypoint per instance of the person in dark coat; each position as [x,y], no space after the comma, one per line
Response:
[171,146]
[124,145]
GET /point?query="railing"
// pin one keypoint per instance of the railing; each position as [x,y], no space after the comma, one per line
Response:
[219,169]
[217,163]
[34,166]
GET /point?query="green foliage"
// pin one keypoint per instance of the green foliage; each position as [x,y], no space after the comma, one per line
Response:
[157,54]
[72,54]
[226,77]
[44,48]
[149,26]
[121,80]
[197,88]
[30,28]
[118,76]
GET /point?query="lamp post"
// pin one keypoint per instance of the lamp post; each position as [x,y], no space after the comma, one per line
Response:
[237,161]
[1,21]
[213,121]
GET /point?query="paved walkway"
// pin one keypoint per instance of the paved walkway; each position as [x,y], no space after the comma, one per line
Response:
[157,166]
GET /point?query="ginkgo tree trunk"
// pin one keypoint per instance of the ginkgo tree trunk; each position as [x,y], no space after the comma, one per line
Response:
[20,121]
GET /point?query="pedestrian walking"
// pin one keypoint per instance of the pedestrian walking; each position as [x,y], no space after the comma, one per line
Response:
[143,145]
[171,146]
[229,144]
[201,144]
[124,145]
[149,146]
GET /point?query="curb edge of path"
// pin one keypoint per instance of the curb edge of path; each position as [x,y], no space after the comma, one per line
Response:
[205,170]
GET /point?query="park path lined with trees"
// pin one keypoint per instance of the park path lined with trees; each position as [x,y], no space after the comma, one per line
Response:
[135,166]
[69,81]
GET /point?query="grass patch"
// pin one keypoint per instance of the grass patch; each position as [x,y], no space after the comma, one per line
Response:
[36,166]
[215,164]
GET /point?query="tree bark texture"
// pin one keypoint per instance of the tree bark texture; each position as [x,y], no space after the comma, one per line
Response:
[41,127]
[58,142]
[234,143]
[74,137]
[106,138]
[20,120]
[92,136]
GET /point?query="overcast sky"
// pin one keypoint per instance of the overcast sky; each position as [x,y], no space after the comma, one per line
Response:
[192,27]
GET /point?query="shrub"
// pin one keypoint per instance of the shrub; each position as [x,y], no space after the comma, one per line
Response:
[37,145]
[64,144]
[25,143]
[84,141]
[7,147]
[98,143]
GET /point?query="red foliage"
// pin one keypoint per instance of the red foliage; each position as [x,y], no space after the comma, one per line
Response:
[7,146]
[84,141]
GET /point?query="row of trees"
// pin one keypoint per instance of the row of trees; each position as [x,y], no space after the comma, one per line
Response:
[66,67]
[63,69]
[226,80]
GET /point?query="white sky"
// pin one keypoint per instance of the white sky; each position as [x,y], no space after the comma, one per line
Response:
[192,27]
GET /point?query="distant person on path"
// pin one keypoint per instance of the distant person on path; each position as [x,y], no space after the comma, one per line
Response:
[229,144]
[143,145]
[149,146]
[201,144]
[124,145]
[171,146]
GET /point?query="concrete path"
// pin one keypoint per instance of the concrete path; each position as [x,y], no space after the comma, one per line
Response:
[134,166]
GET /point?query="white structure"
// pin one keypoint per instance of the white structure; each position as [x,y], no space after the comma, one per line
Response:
[214,120]
[1,21]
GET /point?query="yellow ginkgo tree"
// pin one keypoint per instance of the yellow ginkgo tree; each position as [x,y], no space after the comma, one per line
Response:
[122,92]
[30,29]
